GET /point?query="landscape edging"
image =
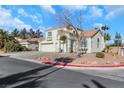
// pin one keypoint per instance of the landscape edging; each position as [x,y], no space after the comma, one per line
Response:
[74,65]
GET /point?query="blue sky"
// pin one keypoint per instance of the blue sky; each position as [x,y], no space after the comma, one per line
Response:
[44,17]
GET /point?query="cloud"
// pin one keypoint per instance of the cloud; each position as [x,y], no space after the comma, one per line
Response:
[49,8]
[8,21]
[95,12]
[20,24]
[33,17]
[97,25]
[113,11]
[74,8]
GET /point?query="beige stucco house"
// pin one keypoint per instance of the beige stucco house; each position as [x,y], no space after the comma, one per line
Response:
[31,44]
[90,40]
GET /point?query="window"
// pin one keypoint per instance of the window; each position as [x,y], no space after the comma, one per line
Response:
[83,43]
[49,36]
[97,42]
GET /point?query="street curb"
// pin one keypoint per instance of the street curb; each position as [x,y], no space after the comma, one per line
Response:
[67,65]
[80,66]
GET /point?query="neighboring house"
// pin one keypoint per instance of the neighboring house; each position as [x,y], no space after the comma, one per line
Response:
[63,39]
[31,44]
[121,51]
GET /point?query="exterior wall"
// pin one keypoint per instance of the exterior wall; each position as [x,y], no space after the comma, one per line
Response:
[30,46]
[121,52]
[33,46]
[49,45]
[94,47]
[54,45]
[25,44]
[88,45]
[48,48]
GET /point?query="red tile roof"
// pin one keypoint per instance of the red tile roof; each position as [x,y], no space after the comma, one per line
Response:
[88,33]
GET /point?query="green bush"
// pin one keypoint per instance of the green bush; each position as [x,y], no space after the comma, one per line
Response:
[100,55]
[11,47]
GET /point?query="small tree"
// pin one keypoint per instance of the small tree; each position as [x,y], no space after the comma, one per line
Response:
[3,37]
[38,34]
[32,33]
[118,40]
[65,17]
[11,47]
[15,32]
[107,37]
[23,34]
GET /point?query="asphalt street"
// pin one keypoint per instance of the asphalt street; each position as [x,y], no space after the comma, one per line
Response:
[18,73]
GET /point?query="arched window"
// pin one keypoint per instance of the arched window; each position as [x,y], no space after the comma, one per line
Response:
[84,43]
[97,42]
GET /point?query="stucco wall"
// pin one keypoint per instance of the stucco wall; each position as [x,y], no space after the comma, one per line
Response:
[33,46]
[49,46]
[94,47]
[88,45]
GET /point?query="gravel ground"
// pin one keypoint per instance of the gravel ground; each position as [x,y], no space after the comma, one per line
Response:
[85,60]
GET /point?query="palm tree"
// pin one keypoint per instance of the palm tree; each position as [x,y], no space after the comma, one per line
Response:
[106,36]
[38,34]
[23,33]
[105,27]
[32,33]
[3,37]
[63,38]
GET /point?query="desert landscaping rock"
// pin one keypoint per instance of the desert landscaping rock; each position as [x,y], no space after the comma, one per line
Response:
[85,60]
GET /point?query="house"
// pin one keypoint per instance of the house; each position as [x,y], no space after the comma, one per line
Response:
[121,51]
[64,39]
[31,44]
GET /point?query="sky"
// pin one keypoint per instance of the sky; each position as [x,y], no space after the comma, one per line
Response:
[44,17]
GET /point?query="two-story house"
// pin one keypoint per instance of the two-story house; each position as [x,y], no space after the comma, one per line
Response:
[64,39]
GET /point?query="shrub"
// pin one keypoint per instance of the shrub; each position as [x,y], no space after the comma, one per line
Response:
[114,53]
[11,47]
[100,55]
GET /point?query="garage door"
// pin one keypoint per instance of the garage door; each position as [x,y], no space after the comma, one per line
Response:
[48,48]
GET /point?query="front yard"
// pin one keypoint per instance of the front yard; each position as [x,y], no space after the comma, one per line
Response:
[85,60]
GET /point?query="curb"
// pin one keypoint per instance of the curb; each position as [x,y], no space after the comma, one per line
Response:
[80,66]
[67,65]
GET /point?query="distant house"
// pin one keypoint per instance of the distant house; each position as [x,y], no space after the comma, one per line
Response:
[121,51]
[31,44]
[92,40]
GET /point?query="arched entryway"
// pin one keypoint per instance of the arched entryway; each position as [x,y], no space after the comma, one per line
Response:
[63,43]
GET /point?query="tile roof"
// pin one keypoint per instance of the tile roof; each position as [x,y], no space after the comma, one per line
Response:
[88,33]
[31,40]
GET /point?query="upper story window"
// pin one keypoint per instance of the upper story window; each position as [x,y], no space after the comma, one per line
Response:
[49,36]
[98,41]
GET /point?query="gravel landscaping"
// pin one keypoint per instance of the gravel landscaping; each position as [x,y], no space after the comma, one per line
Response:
[85,60]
